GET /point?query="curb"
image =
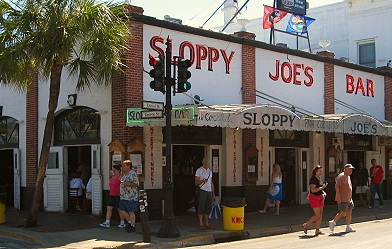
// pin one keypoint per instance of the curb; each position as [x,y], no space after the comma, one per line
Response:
[22,236]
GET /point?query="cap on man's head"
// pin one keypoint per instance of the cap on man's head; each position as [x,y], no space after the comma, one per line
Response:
[205,161]
[349,166]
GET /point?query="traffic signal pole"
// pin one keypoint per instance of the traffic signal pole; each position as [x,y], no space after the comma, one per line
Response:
[168,228]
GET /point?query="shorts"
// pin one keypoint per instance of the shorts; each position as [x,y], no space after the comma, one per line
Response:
[129,206]
[114,201]
[344,206]
[205,202]
[361,189]
[316,201]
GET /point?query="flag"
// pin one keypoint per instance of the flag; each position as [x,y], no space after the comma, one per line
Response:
[299,24]
[272,16]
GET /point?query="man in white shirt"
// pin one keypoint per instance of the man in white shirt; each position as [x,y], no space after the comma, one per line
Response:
[203,178]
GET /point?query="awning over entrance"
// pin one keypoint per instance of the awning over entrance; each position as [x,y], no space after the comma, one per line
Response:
[265,116]
[248,116]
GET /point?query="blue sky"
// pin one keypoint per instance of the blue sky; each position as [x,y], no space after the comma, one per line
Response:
[200,10]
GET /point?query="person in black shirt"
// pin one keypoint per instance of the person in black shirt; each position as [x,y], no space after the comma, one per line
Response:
[316,199]
[362,183]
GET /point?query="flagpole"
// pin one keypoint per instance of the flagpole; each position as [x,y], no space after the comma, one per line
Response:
[307,34]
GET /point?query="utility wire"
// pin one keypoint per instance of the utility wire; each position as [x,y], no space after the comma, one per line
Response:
[213,13]
[238,11]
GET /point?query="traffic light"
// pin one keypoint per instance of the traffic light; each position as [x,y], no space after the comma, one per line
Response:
[158,73]
[183,85]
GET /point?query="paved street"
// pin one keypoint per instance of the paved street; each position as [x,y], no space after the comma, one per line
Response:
[370,235]
[74,230]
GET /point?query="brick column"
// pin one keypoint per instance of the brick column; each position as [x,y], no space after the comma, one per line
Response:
[248,83]
[329,93]
[127,88]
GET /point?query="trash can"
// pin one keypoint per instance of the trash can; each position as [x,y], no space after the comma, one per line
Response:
[233,213]
[3,200]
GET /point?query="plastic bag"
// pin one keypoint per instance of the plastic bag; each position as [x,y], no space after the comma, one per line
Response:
[215,212]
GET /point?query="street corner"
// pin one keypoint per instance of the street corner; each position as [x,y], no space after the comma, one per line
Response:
[21,235]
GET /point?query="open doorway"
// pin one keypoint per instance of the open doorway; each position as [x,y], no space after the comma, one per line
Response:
[285,157]
[7,175]
[354,158]
[79,159]
[186,160]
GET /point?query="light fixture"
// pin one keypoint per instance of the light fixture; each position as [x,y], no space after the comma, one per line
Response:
[19,121]
[71,99]
[197,99]
[324,43]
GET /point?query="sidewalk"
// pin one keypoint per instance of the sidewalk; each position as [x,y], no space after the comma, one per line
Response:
[72,230]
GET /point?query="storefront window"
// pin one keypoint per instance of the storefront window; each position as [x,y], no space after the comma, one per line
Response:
[79,124]
[9,133]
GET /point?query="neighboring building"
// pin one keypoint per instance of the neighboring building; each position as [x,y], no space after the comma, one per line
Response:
[358,30]
[261,105]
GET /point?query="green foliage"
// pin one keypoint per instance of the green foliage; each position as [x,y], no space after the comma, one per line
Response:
[85,37]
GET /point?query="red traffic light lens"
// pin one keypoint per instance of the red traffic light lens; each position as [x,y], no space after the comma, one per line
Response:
[155,61]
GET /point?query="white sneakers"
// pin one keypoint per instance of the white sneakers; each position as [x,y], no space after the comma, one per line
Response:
[332,225]
[349,229]
[105,224]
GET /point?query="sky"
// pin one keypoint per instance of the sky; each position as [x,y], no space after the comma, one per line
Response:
[200,10]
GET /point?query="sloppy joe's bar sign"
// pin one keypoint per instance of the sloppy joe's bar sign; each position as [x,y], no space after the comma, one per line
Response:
[278,118]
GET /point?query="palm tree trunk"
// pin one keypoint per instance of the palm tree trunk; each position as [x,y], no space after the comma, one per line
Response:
[54,91]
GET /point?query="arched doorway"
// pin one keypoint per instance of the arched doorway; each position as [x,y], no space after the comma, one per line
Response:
[77,138]
[9,160]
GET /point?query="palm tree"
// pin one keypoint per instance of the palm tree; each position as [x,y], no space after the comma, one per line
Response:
[83,38]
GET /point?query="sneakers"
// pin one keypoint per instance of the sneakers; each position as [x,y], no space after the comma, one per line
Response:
[381,206]
[332,225]
[79,209]
[349,229]
[370,207]
[191,210]
[122,226]
[105,224]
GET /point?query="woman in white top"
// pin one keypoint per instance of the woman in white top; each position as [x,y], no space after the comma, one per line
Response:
[275,191]
[76,182]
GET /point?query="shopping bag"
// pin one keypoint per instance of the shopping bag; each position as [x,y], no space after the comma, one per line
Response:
[215,212]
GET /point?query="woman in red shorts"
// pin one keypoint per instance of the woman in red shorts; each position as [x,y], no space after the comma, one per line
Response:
[316,199]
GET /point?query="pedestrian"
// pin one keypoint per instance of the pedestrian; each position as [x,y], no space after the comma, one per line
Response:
[129,195]
[376,177]
[76,182]
[316,199]
[203,180]
[362,183]
[343,197]
[275,191]
[114,197]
